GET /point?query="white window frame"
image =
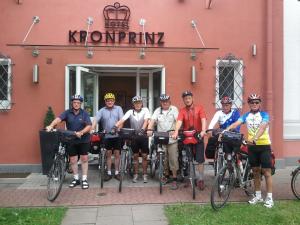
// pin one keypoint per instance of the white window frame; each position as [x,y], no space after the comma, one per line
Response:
[6,104]
[238,79]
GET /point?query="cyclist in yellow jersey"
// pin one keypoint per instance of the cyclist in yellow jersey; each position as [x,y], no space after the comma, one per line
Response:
[257,123]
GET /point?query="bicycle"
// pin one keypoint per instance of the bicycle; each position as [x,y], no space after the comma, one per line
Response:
[60,164]
[160,140]
[127,135]
[219,158]
[295,182]
[189,138]
[236,172]
[97,144]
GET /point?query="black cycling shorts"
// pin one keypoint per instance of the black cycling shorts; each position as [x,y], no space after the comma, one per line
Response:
[140,143]
[112,143]
[260,156]
[78,149]
[199,152]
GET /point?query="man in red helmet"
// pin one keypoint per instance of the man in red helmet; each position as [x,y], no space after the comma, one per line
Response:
[193,117]
[257,122]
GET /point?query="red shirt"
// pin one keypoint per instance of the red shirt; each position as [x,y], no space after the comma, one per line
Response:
[191,117]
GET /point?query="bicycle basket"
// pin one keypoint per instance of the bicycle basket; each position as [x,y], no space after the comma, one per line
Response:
[190,137]
[232,138]
[161,138]
[127,133]
[66,136]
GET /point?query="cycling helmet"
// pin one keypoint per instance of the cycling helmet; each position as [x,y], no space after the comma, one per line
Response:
[164,97]
[109,96]
[77,97]
[226,100]
[137,99]
[254,97]
[186,93]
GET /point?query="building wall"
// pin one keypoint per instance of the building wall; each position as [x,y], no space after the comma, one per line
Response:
[232,26]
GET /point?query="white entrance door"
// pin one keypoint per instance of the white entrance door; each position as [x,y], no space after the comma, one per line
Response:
[79,80]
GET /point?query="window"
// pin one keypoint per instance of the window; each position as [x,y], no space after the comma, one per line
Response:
[229,80]
[5,84]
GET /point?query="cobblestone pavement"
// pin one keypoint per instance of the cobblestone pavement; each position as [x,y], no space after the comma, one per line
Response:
[31,191]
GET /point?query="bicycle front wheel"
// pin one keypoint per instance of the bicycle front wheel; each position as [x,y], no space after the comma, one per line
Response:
[295,183]
[222,187]
[193,179]
[102,168]
[161,172]
[122,169]
[56,177]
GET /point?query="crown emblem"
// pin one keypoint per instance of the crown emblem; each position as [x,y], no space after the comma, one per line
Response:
[116,16]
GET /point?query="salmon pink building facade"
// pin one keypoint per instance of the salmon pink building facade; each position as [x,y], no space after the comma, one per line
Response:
[51,50]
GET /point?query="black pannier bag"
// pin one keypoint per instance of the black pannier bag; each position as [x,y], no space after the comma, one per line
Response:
[127,133]
[161,138]
[211,147]
[232,138]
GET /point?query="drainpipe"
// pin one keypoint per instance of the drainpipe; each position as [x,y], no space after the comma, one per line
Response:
[269,80]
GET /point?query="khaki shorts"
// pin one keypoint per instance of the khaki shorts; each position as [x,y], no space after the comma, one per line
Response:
[172,156]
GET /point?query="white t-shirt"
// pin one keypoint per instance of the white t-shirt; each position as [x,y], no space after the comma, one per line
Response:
[137,118]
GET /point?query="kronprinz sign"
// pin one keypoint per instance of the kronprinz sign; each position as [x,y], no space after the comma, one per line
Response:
[116,19]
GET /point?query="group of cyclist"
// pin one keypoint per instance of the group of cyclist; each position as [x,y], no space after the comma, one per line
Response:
[168,118]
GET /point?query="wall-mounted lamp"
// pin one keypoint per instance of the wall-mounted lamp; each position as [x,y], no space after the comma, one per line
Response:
[193,55]
[35,20]
[142,53]
[35,74]
[254,50]
[90,53]
[35,52]
[194,74]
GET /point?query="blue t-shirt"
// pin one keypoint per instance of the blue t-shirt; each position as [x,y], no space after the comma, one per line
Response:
[77,122]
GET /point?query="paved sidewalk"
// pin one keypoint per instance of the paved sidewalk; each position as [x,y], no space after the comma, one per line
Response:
[116,214]
[138,203]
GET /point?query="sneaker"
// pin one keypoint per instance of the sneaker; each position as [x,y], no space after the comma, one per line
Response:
[84,184]
[107,177]
[74,183]
[135,178]
[118,177]
[145,178]
[174,185]
[164,180]
[255,200]
[200,185]
[269,203]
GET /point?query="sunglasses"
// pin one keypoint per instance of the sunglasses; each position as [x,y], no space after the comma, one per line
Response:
[255,102]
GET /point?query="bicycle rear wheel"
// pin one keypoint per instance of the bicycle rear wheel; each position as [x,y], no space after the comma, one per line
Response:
[249,181]
[222,187]
[161,172]
[55,178]
[295,183]
[122,169]
[129,165]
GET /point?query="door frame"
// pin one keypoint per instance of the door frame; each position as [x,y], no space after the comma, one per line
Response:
[139,69]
